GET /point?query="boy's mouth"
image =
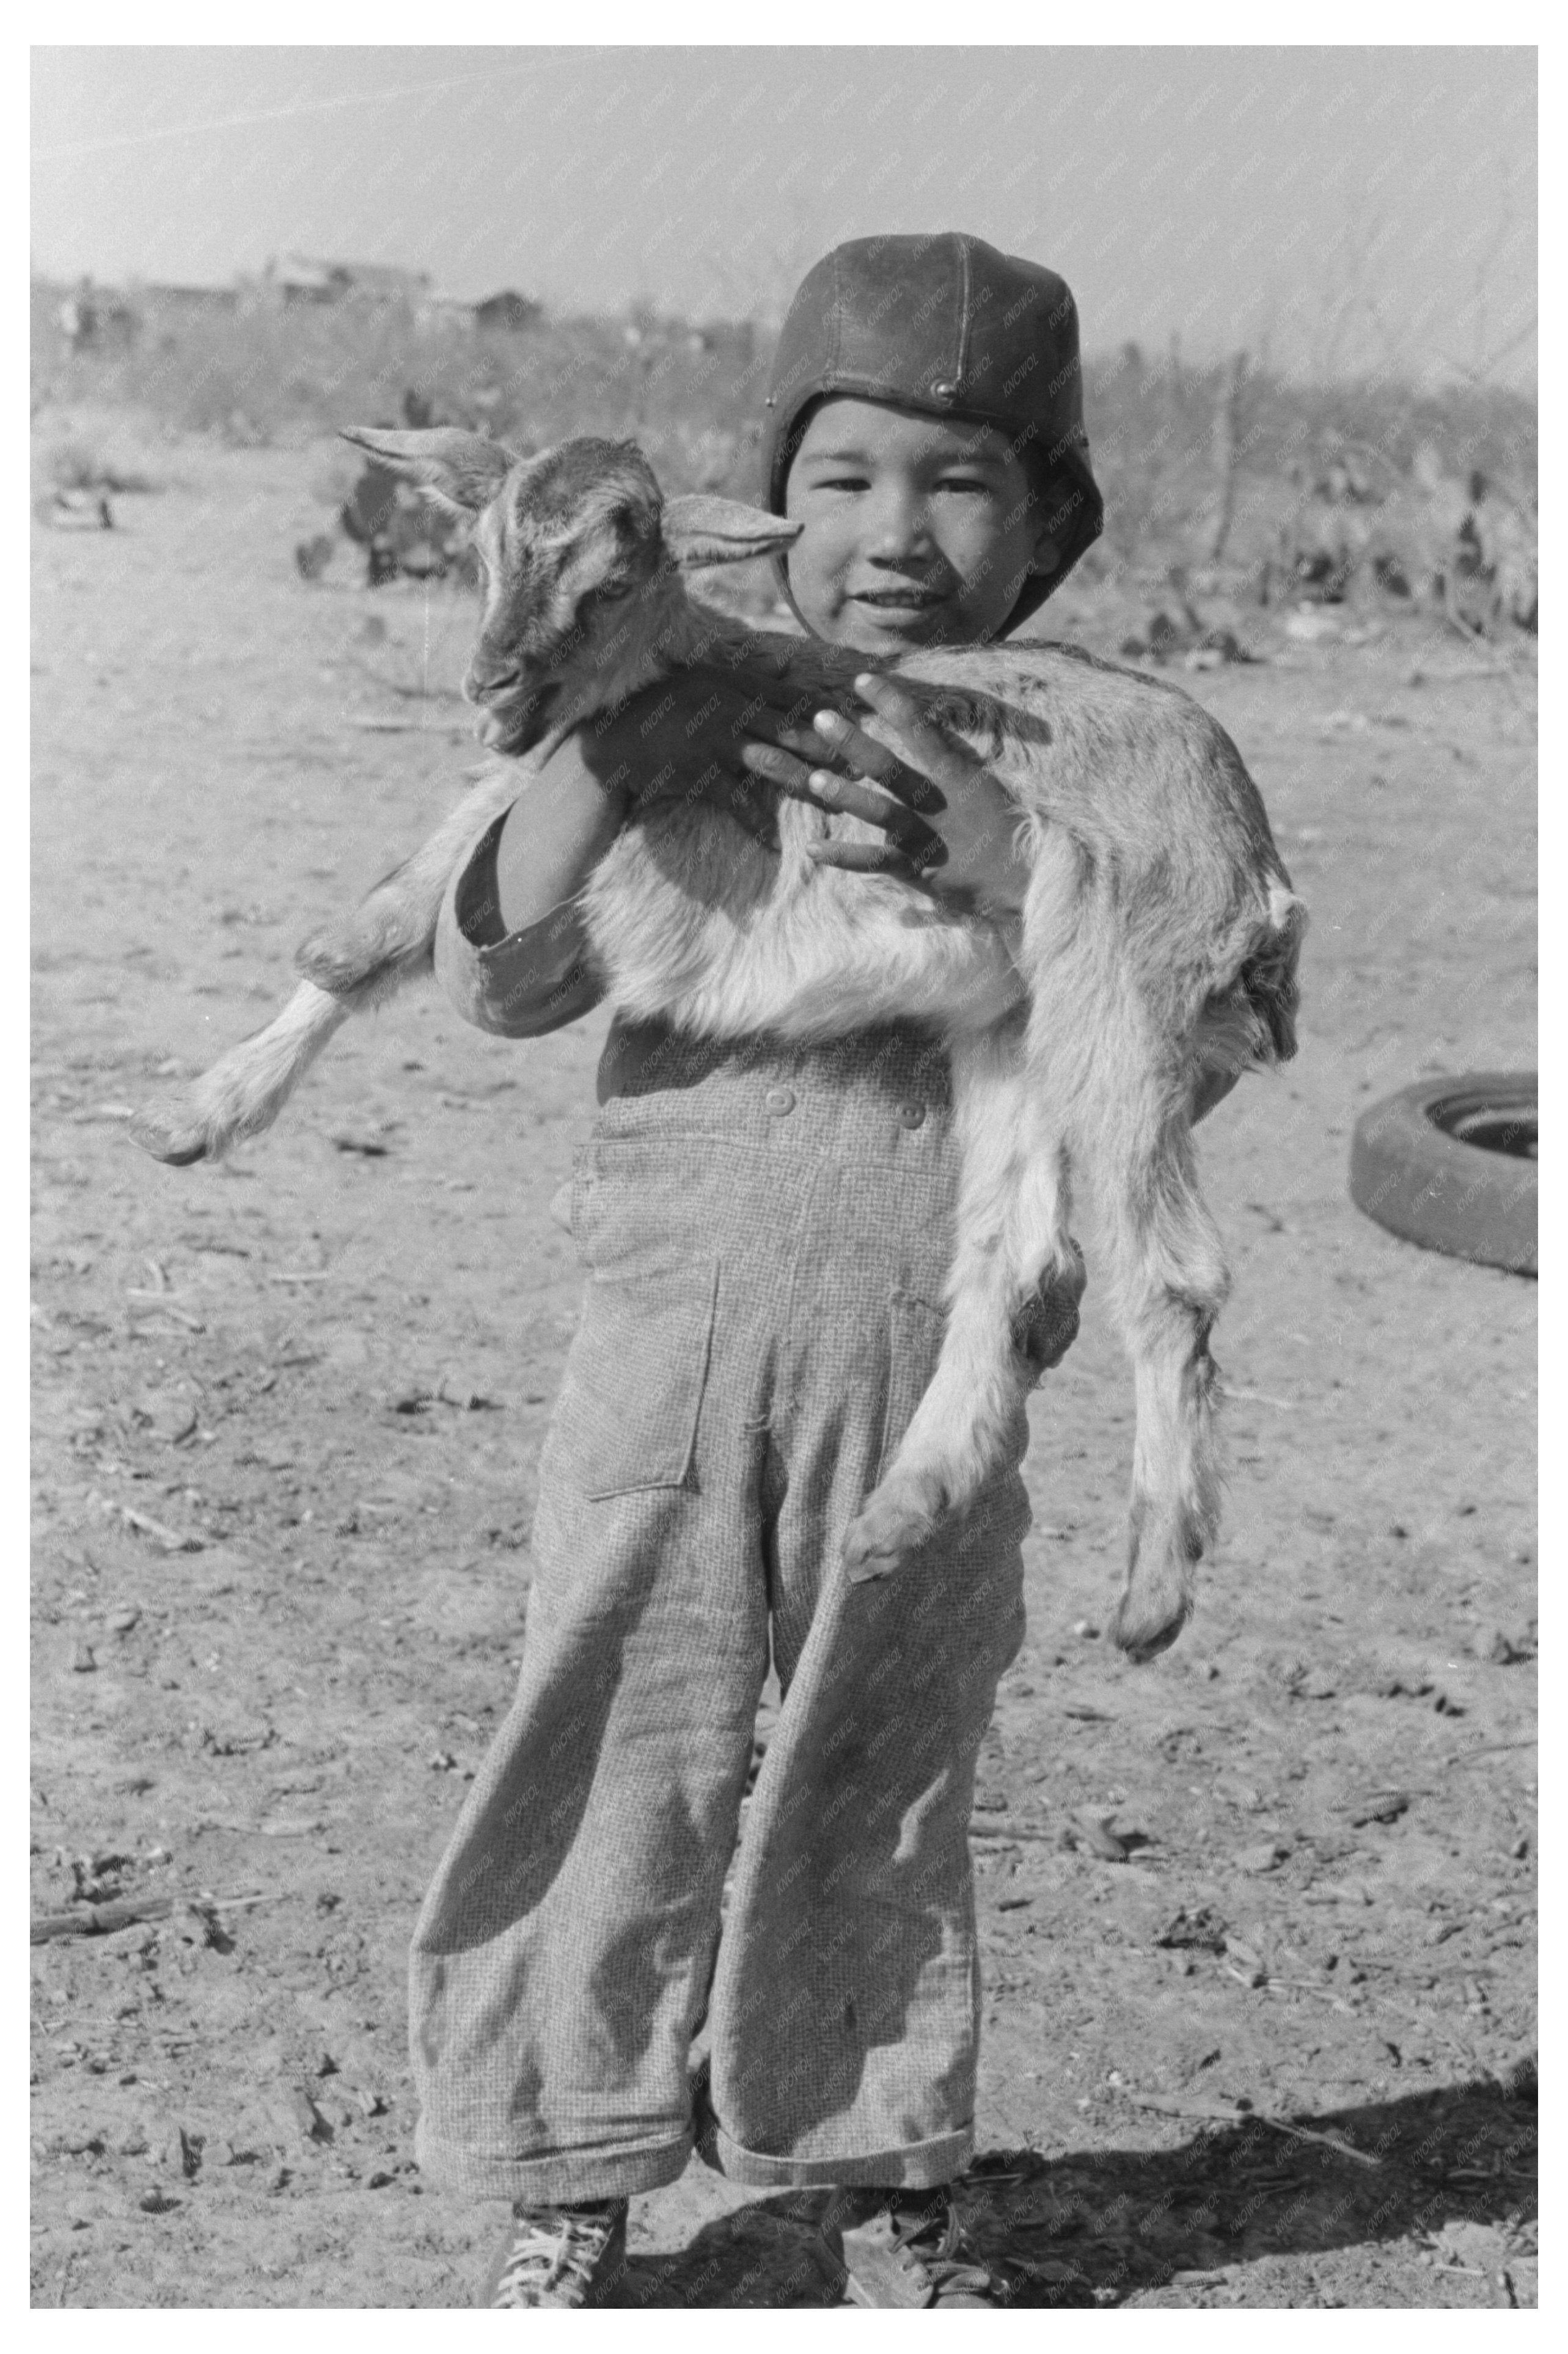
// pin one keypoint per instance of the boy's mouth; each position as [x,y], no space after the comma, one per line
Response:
[907,611]
[903,596]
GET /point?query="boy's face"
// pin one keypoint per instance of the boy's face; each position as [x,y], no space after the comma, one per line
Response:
[920,531]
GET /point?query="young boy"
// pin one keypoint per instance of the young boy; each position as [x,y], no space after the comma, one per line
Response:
[767,1231]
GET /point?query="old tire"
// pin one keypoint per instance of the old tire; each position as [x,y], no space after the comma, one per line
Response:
[1450,1163]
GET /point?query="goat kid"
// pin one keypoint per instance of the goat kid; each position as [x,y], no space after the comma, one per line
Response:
[1158,922]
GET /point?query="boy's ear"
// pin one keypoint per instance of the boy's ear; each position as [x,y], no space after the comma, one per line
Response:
[702,529]
[1047,555]
[463,470]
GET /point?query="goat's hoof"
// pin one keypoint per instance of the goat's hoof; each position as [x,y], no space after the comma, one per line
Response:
[1144,1626]
[170,1135]
[896,1520]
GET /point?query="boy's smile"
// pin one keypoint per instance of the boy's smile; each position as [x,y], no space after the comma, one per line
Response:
[920,531]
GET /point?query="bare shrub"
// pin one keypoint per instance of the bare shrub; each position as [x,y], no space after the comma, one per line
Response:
[1231,459]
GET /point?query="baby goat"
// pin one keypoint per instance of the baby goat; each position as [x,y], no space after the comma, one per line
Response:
[1159,917]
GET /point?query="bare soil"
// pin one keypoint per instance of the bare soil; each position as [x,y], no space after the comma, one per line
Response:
[287,1417]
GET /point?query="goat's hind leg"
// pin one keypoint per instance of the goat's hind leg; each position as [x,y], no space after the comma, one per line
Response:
[1172,1281]
[1012,1228]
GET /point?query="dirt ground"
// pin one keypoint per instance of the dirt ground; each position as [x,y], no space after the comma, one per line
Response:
[287,1414]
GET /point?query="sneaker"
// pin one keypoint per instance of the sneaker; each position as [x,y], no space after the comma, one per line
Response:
[910,2252]
[565,2256]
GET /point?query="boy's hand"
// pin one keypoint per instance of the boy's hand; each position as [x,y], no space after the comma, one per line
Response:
[737,743]
[689,737]
[952,830]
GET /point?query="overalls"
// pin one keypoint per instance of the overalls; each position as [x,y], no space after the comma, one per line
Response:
[766,1233]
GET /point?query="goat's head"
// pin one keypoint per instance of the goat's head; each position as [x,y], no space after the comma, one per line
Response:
[578,548]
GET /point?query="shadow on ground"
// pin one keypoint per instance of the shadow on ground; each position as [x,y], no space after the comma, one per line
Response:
[1094,2228]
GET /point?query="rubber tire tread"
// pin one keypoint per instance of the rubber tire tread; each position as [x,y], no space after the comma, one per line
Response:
[1431,1188]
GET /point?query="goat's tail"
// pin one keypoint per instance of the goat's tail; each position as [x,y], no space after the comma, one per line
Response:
[1250,1023]
[246,1088]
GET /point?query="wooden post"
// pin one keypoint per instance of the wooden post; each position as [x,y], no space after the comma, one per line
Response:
[1227,433]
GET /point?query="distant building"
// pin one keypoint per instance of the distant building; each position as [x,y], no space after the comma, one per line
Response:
[446,310]
[370,282]
[298,281]
[296,277]
[192,298]
[92,318]
[507,312]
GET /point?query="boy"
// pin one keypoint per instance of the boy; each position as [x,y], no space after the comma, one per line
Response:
[767,1231]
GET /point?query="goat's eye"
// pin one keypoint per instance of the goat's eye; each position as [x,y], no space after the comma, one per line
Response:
[614,591]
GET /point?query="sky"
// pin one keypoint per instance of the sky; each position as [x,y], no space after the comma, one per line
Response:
[1325,208]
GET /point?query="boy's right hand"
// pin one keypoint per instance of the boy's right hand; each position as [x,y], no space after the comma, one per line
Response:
[735,743]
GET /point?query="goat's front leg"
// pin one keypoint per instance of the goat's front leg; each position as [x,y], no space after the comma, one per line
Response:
[245,1090]
[1012,1228]
[394,925]
[360,962]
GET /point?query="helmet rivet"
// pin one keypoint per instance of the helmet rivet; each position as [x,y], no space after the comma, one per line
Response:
[944,391]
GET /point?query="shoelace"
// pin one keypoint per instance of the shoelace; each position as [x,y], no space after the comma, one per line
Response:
[944,2269]
[541,2258]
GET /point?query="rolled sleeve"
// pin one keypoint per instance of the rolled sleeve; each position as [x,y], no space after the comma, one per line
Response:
[515,984]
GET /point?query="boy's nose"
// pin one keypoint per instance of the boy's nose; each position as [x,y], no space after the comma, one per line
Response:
[899,529]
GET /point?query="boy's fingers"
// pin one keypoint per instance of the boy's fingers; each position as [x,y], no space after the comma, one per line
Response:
[851,794]
[917,773]
[857,798]
[780,768]
[866,858]
[851,742]
[930,749]
[786,737]
[895,703]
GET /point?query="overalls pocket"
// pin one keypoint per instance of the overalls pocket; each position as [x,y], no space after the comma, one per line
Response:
[627,1416]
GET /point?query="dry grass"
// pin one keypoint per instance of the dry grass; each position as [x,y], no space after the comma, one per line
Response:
[1164,446]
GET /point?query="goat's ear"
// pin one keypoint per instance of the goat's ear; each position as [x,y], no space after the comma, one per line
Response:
[701,530]
[462,469]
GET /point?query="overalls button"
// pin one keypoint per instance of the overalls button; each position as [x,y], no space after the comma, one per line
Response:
[778,1101]
[912,1113]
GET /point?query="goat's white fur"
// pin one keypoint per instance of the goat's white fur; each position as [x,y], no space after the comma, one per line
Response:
[1158,922]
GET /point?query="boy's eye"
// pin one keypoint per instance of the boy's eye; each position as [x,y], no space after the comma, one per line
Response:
[842,483]
[974,484]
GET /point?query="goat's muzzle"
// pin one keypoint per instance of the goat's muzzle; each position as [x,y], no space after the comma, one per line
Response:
[513,722]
